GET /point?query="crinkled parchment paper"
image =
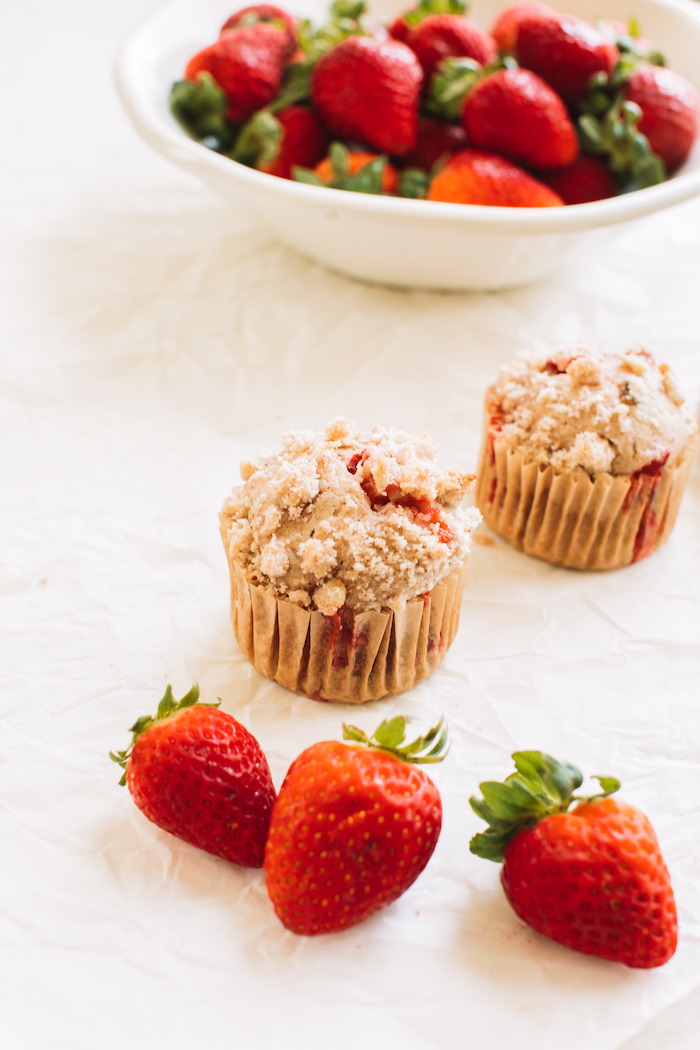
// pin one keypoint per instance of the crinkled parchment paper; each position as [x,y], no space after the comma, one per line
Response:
[152,340]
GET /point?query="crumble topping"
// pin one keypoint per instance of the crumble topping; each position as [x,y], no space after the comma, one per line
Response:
[363,519]
[590,410]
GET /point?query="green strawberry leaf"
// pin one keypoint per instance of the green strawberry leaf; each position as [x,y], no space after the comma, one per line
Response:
[367,180]
[390,734]
[258,140]
[414,183]
[540,787]
[609,785]
[434,7]
[200,108]
[339,160]
[296,86]
[168,706]
[613,134]
[453,80]
[450,83]
[307,176]
[345,21]
[390,737]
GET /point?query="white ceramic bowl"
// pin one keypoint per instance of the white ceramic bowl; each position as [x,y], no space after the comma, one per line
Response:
[385,239]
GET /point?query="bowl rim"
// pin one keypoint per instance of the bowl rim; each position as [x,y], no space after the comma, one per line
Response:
[164,135]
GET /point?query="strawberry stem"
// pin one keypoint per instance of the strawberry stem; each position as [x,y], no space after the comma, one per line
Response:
[608,127]
[453,80]
[540,787]
[167,706]
[390,736]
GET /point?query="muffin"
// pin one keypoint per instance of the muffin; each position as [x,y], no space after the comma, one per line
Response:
[347,553]
[585,456]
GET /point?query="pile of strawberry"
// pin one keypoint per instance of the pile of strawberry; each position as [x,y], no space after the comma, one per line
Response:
[545,110]
[355,824]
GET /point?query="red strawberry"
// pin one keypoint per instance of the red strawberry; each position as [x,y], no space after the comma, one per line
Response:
[669,105]
[352,828]
[591,878]
[444,36]
[197,773]
[367,90]
[515,113]
[435,139]
[247,64]
[304,142]
[505,29]
[473,177]
[587,179]
[400,29]
[565,51]
[263,13]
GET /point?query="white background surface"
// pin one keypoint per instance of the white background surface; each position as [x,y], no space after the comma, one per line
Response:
[151,340]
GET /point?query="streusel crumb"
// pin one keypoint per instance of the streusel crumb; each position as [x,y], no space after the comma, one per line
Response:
[350,518]
[589,410]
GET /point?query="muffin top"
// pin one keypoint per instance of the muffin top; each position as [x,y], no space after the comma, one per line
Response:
[354,518]
[589,410]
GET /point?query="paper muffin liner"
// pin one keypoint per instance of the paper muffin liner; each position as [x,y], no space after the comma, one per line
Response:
[350,657]
[572,520]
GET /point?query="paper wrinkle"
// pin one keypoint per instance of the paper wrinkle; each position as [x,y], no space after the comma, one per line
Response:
[152,339]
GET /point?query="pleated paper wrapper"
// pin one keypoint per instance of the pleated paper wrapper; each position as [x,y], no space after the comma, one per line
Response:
[350,657]
[572,520]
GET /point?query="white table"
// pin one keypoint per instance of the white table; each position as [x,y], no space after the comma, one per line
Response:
[152,340]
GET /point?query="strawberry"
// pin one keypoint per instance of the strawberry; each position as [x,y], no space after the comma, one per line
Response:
[565,51]
[514,112]
[435,139]
[367,90]
[505,29]
[400,29]
[587,179]
[353,827]
[444,36]
[249,16]
[303,142]
[592,877]
[197,773]
[247,64]
[474,177]
[669,105]
[354,164]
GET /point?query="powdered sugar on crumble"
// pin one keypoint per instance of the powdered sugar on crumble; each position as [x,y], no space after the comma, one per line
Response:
[349,518]
[589,410]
